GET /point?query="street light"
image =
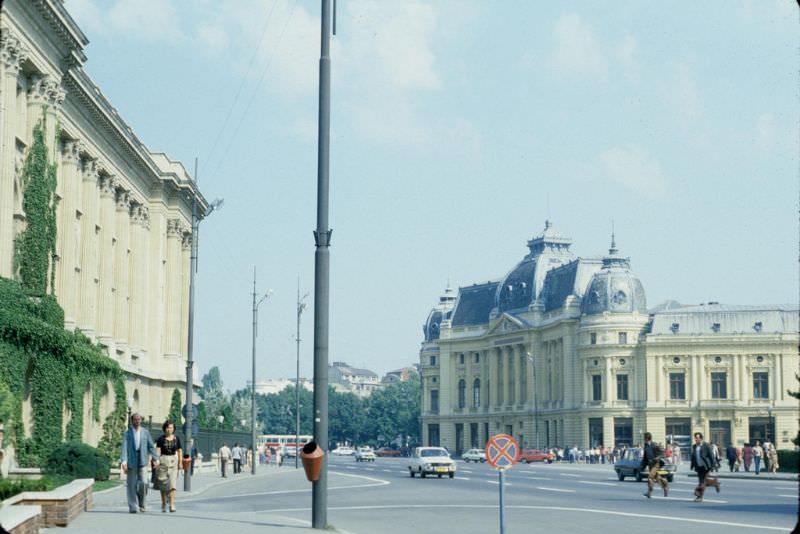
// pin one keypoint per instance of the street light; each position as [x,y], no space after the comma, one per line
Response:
[256,304]
[301,305]
[196,217]
[535,403]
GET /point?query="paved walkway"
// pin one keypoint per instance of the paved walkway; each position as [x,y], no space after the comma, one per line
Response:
[110,511]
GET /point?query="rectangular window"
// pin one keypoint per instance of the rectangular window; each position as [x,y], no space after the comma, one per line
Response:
[461,358]
[623,431]
[433,360]
[719,385]
[477,358]
[433,435]
[623,338]
[593,338]
[761,385]
[622,387]
[597,387]
[677,386]
[435,400]
[473,435]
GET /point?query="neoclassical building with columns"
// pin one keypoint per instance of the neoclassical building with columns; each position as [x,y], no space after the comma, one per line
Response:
[123,212]
[563,351]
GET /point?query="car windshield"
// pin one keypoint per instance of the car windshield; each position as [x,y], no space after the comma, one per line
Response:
[433,452]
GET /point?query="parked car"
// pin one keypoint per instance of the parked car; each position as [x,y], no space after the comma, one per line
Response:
[431,461]
[387,452]
[364,454]
[343,451]
[474,455]
[535,455]
[630,465]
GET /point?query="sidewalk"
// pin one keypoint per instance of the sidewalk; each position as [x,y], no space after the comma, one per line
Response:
[744,475]
[110,510]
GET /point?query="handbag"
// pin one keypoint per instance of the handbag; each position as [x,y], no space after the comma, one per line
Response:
[162,476]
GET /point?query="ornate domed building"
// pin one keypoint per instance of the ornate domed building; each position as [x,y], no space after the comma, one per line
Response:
[563,351]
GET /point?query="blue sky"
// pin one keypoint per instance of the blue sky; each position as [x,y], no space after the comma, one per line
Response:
[458,127]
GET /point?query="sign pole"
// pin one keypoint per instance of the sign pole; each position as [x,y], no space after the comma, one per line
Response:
[502,501]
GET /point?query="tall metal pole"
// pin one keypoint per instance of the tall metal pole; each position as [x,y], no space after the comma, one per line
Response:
[187,475]
[297,384]
[254,456]
[322,239]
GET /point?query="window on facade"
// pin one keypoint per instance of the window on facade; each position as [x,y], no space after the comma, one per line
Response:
[461,358]
[623,338]
[597,387]
[761,385]
[434,400]
[677,386]
[622,387]
[719,385]
[593,338]
[433,360]
[433,435]
[476,393]
[462,393]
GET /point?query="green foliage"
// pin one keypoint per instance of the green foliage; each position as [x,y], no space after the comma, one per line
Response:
[788,461]
[9,488]
[175,408]
[36,245]
[78,460]
[7,405]
[40,359]
[394,411]
[796,395]
[275,412]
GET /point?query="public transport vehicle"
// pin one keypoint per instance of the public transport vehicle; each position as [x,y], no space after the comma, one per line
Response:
[282,442]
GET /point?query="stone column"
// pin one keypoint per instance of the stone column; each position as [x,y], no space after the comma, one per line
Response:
[67,247]
[523,374]
[89,261]
[608,378]
[497,376]
[12,55]
[693,378]
[173,297]
[137,279]
[105,297]
[122,231]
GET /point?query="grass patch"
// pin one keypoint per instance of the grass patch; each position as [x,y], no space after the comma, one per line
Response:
[9,488]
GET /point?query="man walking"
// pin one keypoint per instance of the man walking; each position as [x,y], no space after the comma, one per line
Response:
[224,458]
[702,463]
[136,445]
[651,462]
[730,453]
[236,454]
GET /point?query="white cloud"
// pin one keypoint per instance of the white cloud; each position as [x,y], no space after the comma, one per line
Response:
[633,167]
[685,104]
[213,39]
[626,56]
[576,50]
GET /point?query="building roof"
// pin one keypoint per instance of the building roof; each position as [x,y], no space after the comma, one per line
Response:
[345,370]
[474,304]
[567,280]
[715,318]
[614,289]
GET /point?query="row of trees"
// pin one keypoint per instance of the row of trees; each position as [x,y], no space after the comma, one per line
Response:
[385,415]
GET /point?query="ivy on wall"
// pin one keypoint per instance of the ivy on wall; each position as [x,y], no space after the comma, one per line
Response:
[38,358]
[36,245]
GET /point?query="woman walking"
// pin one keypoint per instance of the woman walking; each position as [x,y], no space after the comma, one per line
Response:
[170,454]
[772,456]
[758,453]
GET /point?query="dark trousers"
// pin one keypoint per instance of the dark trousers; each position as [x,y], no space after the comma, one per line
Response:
[237,466]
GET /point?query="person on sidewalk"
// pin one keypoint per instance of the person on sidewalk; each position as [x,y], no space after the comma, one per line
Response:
[236,454]
[137,444]
[193,455]
[652,455]
[224,458]
[758,454]
[702,464]
[170,453]
[730,454]
[747,456]
[772,455]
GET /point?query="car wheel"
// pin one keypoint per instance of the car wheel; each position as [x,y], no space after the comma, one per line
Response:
[439,476]
[483,460]
[422,474]
[638,476]
[411,472]
[620,476]
[669,479]
[452,475]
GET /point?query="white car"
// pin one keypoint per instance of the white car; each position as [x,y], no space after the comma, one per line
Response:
[343,451]
[474,455]
[364,454]
[431,461]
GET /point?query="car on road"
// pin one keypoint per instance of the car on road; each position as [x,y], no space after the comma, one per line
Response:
[630,465]
[343,451]
[431,461]
[387,452]
[535,455]
[364,454]
[474,455]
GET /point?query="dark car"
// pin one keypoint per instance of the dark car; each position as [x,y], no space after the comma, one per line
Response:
[630,465]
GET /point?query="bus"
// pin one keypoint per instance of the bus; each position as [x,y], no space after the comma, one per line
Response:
[283,442]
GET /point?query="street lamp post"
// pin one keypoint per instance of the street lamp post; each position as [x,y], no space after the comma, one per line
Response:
[256,304]
[195,237]
[301,305]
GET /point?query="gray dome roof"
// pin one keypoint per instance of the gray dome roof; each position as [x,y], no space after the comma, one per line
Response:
[439,313]
[615,288]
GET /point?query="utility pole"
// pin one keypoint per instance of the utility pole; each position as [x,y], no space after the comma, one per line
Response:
[301,305]
[256,304]
[322,240]
[187,475]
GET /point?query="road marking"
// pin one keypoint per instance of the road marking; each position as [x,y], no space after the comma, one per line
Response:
[569,475]
[789,496]
[555,489]
[467,471]
[463,478]
[533,507]
[497,483]
[369,469]
[596,483]
[349,467]
[532,477]
[387,470]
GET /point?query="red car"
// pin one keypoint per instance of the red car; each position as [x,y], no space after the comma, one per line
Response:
[386,451]
[534,455]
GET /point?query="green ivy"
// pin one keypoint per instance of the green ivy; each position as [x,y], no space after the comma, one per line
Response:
[55,367]
[36,245]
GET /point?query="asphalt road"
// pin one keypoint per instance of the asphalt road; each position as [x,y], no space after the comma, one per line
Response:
[380,497]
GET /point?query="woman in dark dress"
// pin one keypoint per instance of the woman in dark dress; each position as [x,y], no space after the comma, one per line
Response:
[169,455]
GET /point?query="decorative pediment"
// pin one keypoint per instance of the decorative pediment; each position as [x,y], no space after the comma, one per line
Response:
[505,323]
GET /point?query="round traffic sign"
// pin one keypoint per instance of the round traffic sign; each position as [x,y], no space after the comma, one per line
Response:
[501,451]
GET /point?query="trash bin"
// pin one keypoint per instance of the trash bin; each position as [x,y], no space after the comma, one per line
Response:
[312,457]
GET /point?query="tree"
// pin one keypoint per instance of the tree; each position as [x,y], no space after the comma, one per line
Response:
[7,409]
[394,411]
[215,401]
[175,408]
[796,395]
[347,420]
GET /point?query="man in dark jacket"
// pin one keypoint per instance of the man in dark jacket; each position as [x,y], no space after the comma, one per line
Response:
[730,454]
[651,462]
[702,462]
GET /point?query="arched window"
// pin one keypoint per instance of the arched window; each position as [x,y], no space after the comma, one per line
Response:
[476,393]
[462,393]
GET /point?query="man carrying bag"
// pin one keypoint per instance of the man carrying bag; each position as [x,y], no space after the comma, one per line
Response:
[136,445]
